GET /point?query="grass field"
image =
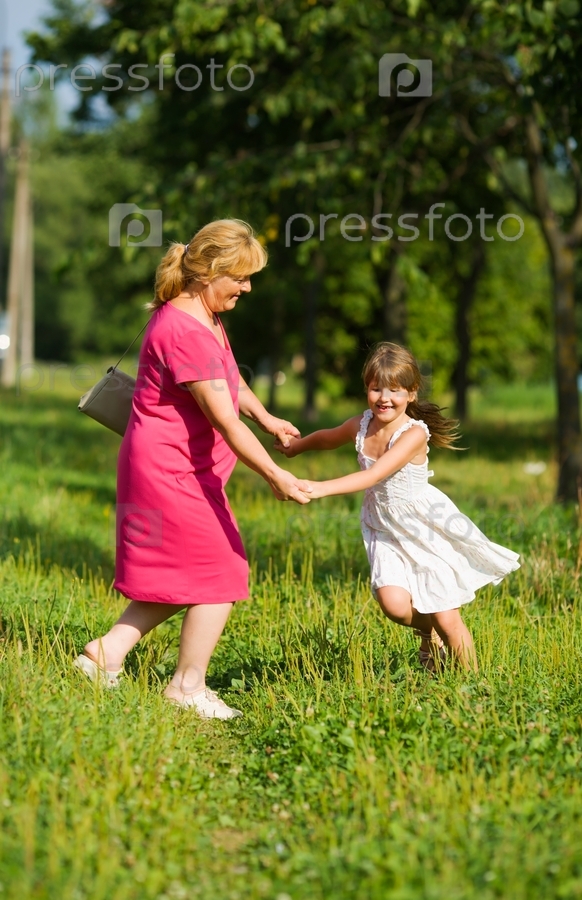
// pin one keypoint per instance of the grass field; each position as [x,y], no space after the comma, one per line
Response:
[352,774]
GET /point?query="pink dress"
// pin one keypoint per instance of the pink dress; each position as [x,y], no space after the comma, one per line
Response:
[177,538]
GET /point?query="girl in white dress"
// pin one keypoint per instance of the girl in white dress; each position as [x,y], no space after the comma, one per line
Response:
[426,558]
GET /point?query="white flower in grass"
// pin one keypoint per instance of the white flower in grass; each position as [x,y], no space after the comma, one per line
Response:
[534,468]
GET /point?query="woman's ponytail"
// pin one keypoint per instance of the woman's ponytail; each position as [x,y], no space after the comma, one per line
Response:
[170,280]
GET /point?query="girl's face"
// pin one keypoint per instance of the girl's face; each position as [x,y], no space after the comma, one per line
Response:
[387,403]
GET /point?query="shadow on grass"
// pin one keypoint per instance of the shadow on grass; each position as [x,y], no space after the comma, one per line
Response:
[77,484]
[74,553]
[310,657]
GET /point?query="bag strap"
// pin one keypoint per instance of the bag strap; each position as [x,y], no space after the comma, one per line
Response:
[123,355]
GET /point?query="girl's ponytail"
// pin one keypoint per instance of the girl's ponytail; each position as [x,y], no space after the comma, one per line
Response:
[170,280]
[443,431]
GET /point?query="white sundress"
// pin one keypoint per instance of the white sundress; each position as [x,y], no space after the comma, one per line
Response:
[417,539]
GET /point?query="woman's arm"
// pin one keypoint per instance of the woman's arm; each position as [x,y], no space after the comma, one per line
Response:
[405,449]
[251,407]
[325,439]
[213,398]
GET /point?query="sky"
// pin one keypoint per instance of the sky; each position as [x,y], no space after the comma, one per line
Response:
[17,16]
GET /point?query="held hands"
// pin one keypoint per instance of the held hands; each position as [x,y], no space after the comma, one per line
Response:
[316,489]
[290,448]
[282,430]
[286,486]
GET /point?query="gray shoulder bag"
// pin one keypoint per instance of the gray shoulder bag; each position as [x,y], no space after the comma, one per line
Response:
[109,401]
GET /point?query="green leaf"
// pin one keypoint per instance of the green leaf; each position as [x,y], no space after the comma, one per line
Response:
[569,8]
[347,740]
[536,17]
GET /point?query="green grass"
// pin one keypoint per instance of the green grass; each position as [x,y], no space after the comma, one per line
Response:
[352,774]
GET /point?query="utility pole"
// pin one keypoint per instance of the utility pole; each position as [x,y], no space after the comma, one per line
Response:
[26,355]
[19,256]
[4,147]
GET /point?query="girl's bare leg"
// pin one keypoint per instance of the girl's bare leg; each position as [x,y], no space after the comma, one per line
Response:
[139,617]
[201,630]
[396,604]
[457,637]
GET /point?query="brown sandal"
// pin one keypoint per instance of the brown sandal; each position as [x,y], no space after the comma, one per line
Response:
[434,659]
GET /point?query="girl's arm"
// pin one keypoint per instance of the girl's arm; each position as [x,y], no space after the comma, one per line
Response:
[405,449]
[325,439]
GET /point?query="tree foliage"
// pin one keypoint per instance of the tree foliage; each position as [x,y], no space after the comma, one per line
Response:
[308,132]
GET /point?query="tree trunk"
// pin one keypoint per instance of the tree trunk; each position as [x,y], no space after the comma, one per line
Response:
[4,147]
[27,301]
[393,292]
[465,297]
[562,248]
[18,256]
[275,350]
[567,369]
[311,302]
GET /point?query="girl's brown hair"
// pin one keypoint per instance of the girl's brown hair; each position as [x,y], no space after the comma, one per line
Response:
[389,365]
[224,247]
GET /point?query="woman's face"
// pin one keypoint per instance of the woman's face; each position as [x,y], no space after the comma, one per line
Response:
[222,293]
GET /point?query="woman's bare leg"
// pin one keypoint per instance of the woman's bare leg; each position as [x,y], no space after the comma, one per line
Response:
[457,637]
[201,629]
[139,617]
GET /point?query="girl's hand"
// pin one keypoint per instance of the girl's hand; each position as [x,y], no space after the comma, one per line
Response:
[316,489]
[282,430]
[290,450]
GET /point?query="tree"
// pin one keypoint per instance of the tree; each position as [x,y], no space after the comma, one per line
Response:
[522,60]
[312,134]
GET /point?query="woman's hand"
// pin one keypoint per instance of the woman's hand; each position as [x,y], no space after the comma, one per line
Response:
[290,450]
[214,400]
[286,486]
[281,429]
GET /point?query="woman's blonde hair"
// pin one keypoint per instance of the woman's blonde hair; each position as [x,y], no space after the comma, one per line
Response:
[391,366]
[224,247]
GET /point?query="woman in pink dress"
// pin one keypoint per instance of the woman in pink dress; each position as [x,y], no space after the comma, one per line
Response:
[178,543]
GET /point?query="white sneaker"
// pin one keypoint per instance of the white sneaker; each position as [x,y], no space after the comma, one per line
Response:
[96,673]
[207,704]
